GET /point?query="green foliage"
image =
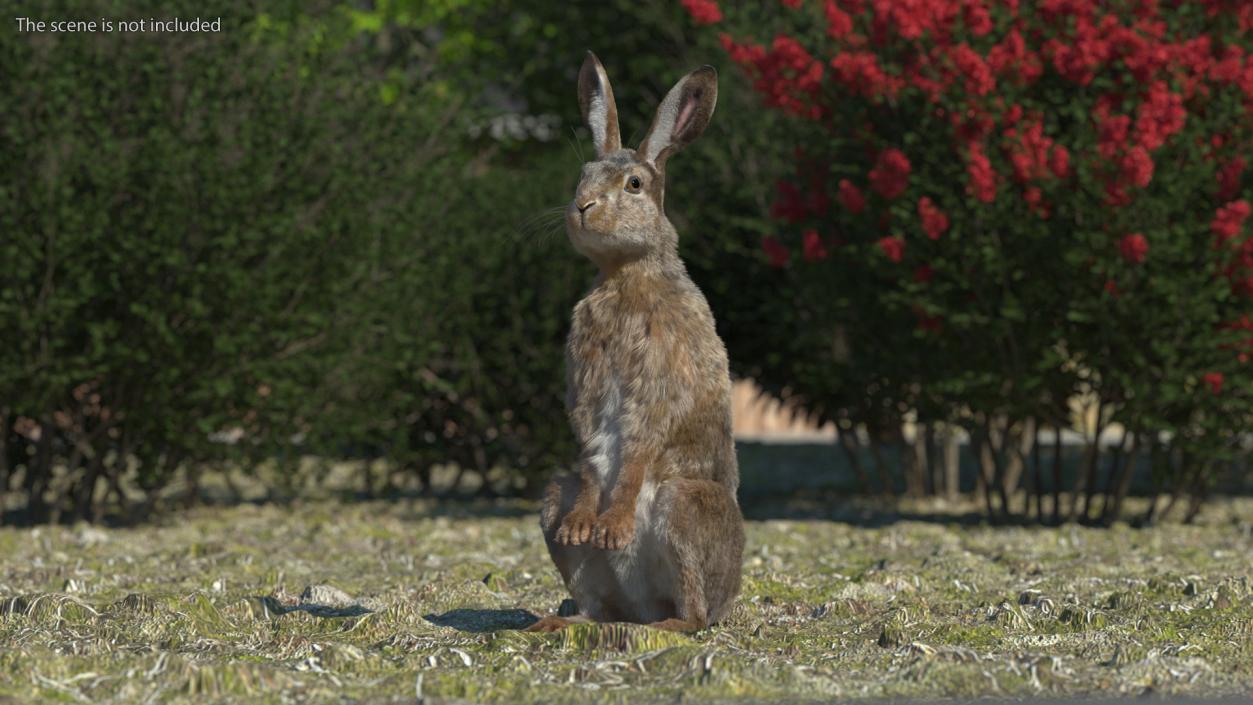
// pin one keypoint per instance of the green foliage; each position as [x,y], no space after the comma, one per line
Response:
[309,234]
[188,221]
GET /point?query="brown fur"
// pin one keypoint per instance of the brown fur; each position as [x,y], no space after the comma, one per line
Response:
[648,528]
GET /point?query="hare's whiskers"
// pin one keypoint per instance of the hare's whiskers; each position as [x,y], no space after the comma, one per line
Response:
[576,145]
[542,225]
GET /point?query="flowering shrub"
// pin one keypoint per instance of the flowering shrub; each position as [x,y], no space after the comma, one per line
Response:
[999,206]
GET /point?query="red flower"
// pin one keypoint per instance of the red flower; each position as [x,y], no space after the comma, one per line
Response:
[1229,178]
[1115,195]
[924,274]
[893,247]
[1011,57]
[934,221]
[786,75]
[1134,248]
[982,177]
[972,124]
[1111,288]
[890,175]
[1113,134]
[745,55]
[1012,116]
[1215,382]
[851,197]
[775,251]
[1078,58]
[860,74]
[929,324]
[1035,200]
[910,19]
[978,75]
[1136,167]
[839,23]
[1161,115]
[1059,162]
[976,17]
[1245,345]
[792,3]
[813,249]
[1029,151]
[1230,219]
[703,11]
[789,205]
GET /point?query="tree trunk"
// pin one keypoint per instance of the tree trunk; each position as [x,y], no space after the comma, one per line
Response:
[1087,473]
[986,458]
[4,459]
[1089,500]
[1181,482]
[848,443]
[882,469]
[952,464]
[998,440]
[914,465]
[1116,490]
[1018,445]
[192,495]
[1057,474]
[86,495]
[1038,482]
[1199,493]
[424,476]
[934,480]
[39,475]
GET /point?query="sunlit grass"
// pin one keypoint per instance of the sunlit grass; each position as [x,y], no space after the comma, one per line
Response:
[208,604]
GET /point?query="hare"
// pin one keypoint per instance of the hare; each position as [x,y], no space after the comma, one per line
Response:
[647,529]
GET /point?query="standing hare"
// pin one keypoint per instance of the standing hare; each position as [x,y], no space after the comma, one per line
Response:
[647,529]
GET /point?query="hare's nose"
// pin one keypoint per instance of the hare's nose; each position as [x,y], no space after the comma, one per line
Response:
[584,206]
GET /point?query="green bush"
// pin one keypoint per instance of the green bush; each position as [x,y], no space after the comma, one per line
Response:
[306,235]
[188,224]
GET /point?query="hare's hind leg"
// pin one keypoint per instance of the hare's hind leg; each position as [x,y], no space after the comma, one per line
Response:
[579,565]
[558,501]
[704,537]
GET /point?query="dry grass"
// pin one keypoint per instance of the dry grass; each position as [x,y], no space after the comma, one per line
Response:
[401,598]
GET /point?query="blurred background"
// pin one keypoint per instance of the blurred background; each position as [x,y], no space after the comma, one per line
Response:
[322,249]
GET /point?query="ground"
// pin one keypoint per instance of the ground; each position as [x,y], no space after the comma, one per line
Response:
[326,601]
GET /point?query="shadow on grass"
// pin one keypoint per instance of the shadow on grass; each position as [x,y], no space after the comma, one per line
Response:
[478,621]
[858,512]
[269,605]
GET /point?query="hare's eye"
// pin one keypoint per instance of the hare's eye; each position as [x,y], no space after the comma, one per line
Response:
[633,184]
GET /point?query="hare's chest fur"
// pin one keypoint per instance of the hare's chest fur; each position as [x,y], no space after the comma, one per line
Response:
[604,444]
[599,395]
[604,339]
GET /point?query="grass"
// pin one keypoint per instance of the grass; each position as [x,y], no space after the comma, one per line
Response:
[412,597]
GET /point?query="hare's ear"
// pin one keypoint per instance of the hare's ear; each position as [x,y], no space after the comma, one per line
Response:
[682,116]
[596,101]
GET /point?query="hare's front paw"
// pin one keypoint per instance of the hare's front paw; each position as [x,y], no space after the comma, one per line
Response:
[576,528]
[614,530]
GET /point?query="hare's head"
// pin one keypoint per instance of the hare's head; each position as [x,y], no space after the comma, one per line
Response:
[616,215]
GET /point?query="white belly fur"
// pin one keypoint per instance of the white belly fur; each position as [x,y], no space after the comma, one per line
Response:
[605,445]
[642,571]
